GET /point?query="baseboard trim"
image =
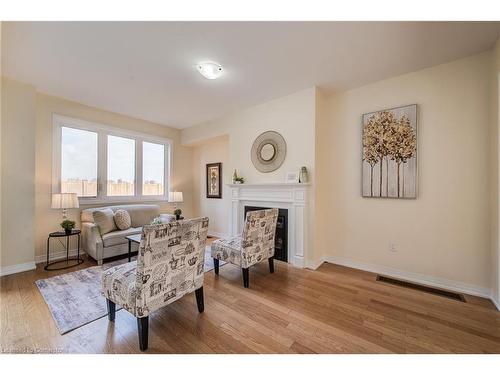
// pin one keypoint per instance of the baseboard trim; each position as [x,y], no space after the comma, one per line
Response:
[495,301]
[57,255]
[437,282]
[314,264]
[16,268]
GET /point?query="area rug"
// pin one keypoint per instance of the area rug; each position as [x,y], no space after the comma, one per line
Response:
[74,299]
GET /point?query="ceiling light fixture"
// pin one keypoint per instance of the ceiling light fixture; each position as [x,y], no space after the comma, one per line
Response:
[210,70]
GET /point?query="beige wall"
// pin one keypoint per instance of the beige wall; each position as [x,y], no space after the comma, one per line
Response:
[47,220]
[26,157]
[494,170]
[450,231]
[205,131]
[445,232]
[18,174]
[212,151]
[322,170]
[0,139]
[293,116]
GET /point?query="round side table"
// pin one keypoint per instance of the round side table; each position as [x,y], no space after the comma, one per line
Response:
[78,260]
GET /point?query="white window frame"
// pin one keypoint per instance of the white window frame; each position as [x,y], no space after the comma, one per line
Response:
[60,121]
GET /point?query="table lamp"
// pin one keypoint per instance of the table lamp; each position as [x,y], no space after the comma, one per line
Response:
[176,197]
[64,201]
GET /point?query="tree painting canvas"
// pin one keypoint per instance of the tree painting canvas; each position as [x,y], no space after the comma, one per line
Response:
[390,153]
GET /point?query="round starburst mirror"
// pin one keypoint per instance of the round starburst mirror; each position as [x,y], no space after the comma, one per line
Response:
[268,151]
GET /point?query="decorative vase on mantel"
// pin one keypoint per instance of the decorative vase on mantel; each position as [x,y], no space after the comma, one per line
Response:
[303,176]
[236,179]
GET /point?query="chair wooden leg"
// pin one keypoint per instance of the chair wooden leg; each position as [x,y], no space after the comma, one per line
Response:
[143,330]
[216,266]
[246,283]
[111,309]
[271,264]
[199,299]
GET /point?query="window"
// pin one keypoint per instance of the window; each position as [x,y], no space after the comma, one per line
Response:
[153,168]
[78,168]
[121,166]
[104,164]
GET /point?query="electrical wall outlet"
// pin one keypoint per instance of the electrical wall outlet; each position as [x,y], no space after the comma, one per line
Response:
[392,247]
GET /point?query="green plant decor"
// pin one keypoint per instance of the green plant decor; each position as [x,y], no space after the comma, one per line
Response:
[239,180]
[177,212]
[68,225]
[156,221]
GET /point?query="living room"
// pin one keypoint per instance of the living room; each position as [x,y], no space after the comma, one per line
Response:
[344,201]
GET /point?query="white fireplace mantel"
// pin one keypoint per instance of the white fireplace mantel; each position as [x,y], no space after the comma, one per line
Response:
[292,197]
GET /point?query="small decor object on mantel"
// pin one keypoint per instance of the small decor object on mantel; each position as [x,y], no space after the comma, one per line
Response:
[292,178]
[303,177]
[389,163]
[268,151]
[239,180]
[214,180]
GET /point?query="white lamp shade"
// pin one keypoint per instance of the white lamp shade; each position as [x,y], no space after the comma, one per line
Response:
[175,197]
[65,200]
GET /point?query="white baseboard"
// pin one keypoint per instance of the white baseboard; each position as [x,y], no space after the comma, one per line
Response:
[57,255]
[297,261]
[420,278]
[314,264]
[217,234]
[495,301]
[16,268]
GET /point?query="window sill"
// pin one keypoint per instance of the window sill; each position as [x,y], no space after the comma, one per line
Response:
[121,200]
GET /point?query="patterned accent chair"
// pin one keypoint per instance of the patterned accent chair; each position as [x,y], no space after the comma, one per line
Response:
[255,245]
[169,265]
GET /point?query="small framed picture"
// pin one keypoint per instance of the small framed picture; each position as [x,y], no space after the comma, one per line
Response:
[292,177]
[214,180]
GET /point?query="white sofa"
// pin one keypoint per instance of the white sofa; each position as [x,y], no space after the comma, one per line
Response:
[114,243]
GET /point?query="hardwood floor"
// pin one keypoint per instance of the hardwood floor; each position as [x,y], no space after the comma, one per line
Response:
[331,310]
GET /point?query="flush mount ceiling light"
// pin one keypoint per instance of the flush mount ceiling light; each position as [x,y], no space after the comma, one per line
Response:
[210,70]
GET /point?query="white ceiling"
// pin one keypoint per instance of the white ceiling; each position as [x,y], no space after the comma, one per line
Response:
[148,69]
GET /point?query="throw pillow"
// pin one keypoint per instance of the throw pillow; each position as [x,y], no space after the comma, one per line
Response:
[122,219]
[104,219]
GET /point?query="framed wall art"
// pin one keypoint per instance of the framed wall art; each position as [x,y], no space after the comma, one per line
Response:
[389,166]
[214,180]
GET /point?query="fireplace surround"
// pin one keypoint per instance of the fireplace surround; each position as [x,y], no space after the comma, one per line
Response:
[291,197]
